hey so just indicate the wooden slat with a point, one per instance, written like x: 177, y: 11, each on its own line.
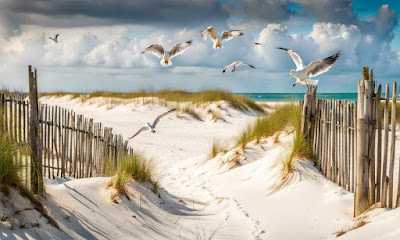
x: 392, y: 147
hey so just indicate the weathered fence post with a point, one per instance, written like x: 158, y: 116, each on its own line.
x: 36, y: 156
x: 362, y: 200
x: 308, y: 110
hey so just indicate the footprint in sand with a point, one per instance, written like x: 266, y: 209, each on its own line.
x: 256, y: 233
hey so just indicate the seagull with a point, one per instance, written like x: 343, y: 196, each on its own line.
x: 257, y: 43
x: 315, y: 68
x: 151, y: 127
x: 235, y: 64
x: 165, y: 56
x: 210, y: 31
x: 55, y: 39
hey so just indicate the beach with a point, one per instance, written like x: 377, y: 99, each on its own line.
x: 225, y: 197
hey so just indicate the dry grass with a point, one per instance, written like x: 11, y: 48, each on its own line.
x: 131, y: 166
x: 236, y: 101
x: 357, y: 224
x: 215, y: 116
x: 217, y: 147
x: 191, y: 111
x: 60, y: 94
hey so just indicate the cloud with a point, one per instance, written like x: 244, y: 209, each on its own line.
x: 334, y: 11
x: 70, y: 13
x: 104, y: 44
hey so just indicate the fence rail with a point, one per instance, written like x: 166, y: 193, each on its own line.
x: 352, y: 145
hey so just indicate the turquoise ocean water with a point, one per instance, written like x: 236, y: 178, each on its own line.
x: 284, y: 97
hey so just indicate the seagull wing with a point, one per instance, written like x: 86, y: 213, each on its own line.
x: 296, y: 58
x: 231, y: 34
x: 210, y: 31
x: 318, y: 67
x: 155, y: 49
x: 161, y: 116
x: 140, y: 130
x: 227, y: 66
x: 56, y: 36
x: 246, y: 64
x: 180, y: 48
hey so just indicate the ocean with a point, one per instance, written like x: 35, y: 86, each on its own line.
x: 285, y: 97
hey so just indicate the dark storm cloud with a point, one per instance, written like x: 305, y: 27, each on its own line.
x: 176, y: 12
x: 334, y: 11
x: 267, y: 10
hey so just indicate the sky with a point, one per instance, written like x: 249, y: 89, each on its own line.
x: 101, y: 43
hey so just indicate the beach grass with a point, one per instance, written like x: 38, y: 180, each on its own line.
x: 216, y: 148
x: 301, y: 147
x: 9, y: 168
x: 287, y: 115
x: 268, y: 125
x: 60, y: 94
x: 237, y: 101
x: 131, y: 166
x: 10, y: 172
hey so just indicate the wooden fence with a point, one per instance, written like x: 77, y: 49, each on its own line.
x: 70, y: 145
x: 351, y: 143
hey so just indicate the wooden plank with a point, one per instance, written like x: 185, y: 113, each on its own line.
x: 333, y: 142
x: 52, y: 138
x: 340, y: 143
x: 385, y: 192
x: 392, y: 146
x: 345, y: 147
x: 379, y: 144
x: 361, y: 195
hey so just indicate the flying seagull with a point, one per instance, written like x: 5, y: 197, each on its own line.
x: 152, y: 127
x: 55, y: 39
x: 257, y: 43
x: 315, y: 68
x: 210, y: 31
x: 165, y: 56
x: 235, y: 64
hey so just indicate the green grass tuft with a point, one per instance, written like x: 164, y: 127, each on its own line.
x: 267, y: 126
x: 9, y: 167
x: 301, y: 147
x: 216, y: 148
x: 131, y: 166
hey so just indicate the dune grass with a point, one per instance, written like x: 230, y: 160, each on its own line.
x: 268, y: 125
x: 132, y: 166
x: 301, y: 147
x: 217, y: 147
x: 59, y: 94
x: 236, y: 101
x: 10, y: 170
x: 360, y: 222
x: 189, y: 110
x: 288, y: 115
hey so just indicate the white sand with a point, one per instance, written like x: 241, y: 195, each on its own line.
x: 201, y: 197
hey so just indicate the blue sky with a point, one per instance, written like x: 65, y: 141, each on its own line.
x: 101, y: 42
